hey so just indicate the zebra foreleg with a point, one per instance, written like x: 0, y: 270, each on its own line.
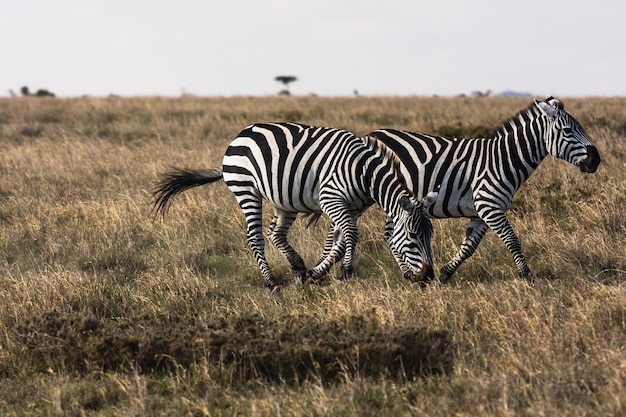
x: 335, y: 253
x: 328, y: 244
x: 473, y: 235
x: 332, y: 238
x: 500, y: 224
x: 344, y: 235
x: 335, y: 237
x: 277, y: 234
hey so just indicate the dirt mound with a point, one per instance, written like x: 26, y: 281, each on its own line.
x: 238, y: 348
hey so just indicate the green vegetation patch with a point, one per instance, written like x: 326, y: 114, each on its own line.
x: 238, y: 349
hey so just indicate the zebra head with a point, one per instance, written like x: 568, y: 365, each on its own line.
x: 411, y: 237
x: 565, y: 137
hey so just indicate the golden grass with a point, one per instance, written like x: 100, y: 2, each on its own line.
x: 78, y: 240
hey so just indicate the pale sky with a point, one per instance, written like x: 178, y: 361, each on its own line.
x: 334, y: 47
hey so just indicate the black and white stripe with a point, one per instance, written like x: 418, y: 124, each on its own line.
x: 307, y: 169
x: 478, y: 177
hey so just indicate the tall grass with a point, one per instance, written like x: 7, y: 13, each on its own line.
x: 105, y: 311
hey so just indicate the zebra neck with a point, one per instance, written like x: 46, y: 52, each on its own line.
x: 522, y: 138
x: 384, y: 187
x: 380, y: 176
x: 388, y: 201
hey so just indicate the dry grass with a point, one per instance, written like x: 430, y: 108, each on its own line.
x: 105, y: 311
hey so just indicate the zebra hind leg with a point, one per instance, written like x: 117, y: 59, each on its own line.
x: 473, y: 235
x: 252, y: 209
x: 277, y: 234
x: 500, y: 224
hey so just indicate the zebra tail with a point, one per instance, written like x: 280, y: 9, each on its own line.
x: 178, y: 180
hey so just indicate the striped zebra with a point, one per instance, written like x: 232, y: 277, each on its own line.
x: 478, y: 177
x: 308, y: 169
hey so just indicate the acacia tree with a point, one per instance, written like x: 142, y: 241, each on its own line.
x: 286, y: 79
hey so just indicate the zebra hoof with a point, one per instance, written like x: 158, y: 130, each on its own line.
x: 311, y: 277
x: 346, y: 273
x: 528, y: 276
x: 444, y: 277
x: 299, y: 279
x: 299, y: 271
x: 300, y: 276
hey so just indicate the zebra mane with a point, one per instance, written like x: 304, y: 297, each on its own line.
x: 508, y: 124
x: 530, y: 111
x: 387, y: 154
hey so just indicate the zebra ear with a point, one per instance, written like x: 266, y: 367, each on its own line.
x: 405, y: 203
x: 554, y: 103
x: 547, y: 108
x: 430, y: 197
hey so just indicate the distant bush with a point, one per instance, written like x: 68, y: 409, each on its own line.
x: 44, y: 93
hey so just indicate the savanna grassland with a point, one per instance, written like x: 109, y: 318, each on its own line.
x: 106, y: 311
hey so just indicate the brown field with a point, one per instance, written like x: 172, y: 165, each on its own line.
x: 105, y: 311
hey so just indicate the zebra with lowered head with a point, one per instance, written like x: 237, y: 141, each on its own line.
x: 478, y: 177
x: 308, y: 169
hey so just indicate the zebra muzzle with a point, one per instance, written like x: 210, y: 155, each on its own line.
x: 426, y: 274
x: 591, y: 162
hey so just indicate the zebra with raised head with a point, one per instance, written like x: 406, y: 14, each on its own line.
x: 478, y: 177
x: 308, y: 169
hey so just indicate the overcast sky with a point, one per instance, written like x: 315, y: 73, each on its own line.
x: 334, y: 47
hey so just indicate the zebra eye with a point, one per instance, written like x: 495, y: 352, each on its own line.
x: 567, y: 130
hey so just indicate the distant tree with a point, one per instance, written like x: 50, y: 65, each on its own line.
x: 286, y: 79
x: 25, y: 91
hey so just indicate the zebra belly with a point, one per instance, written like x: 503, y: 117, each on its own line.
x: 444, y: 208
x: 298, y: 207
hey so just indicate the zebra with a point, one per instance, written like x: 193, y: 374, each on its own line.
x: 310, y: 169
x: 478, y: 177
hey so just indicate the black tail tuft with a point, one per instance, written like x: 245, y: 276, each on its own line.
x: 178, y: 180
